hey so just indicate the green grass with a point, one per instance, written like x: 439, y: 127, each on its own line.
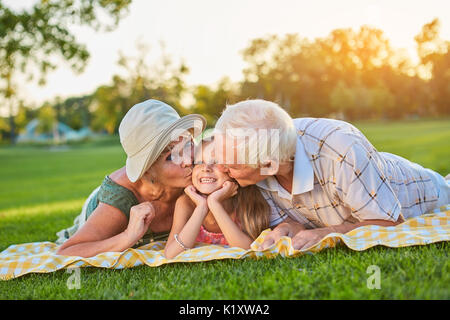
x: 41, y: 191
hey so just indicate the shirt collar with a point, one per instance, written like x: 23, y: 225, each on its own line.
x: 303, y: 170
x: 303, y: 177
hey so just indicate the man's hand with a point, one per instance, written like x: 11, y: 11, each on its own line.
x: 307, y: 238
x: 301, y: 238
x: 273, y: 236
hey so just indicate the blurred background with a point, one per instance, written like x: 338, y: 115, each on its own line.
x: 70, y: 69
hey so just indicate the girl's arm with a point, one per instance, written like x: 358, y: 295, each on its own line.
x: 234, y: 235
x: 187, y: 220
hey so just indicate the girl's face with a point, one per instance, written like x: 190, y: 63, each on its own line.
x: 206, y: 176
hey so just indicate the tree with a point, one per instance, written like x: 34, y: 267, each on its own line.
x: 434, y: 54
x: 342, y: 98
x: 210, y: 101
x: 350, y: 72
x: 74, y: 111
x: 23, y: 116
x: 30, y: 40
x: 47, y: 120
x: 163, y: 81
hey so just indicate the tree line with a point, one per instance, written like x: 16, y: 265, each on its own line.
x: 349, y: 74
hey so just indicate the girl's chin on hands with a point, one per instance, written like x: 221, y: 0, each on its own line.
x: 197, y: 198
x: 228, y: 190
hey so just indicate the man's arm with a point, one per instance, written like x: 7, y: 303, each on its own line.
x: 288, y: 228
x: 305, y: 238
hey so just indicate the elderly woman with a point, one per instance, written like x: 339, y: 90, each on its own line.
x: 321, y: 175
x: 135, y: 204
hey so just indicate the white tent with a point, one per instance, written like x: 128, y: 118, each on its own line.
x: 60, y: 133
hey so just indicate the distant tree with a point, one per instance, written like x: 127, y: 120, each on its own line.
x: 47, y: 119
x: 23, y: 116
x: 163, y: 81
x: 74, y: 111
x: 342, y: 98
x: 354, y: 72
x: 210, y: 101
x: 31, y: 40
x: 4, y: 129
x: 434, y: 54
x: 382, y: 102
x: 109, y: 105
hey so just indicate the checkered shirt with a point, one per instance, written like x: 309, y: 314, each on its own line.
x: 340, y: 177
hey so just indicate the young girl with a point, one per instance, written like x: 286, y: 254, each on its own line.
x: 214, y: 210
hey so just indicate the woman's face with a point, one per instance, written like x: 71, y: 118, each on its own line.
x: 170, y: 173
x: 206, y: 176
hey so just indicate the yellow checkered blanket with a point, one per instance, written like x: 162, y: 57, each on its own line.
x: 40, y: 257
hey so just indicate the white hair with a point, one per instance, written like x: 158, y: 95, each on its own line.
x: 272, y: 123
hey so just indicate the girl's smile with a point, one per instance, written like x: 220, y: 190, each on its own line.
x: 206, y: 176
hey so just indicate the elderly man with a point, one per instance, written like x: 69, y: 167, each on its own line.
x: 320, y: 175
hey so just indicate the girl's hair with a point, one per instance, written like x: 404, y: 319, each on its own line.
x: 252, y: 210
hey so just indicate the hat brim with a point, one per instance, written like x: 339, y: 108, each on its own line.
x: 140, y: 162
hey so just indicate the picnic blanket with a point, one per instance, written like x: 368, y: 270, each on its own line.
x: 40, y: 257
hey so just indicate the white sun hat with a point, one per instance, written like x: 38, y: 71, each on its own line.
x: 148, y: 128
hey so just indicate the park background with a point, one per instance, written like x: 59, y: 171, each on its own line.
x: 71, y: 69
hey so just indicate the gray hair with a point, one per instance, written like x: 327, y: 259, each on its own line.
x: 271, y: 123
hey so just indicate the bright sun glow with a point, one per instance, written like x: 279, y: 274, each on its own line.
x: 210, y: 35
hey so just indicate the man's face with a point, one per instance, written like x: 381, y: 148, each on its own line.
x: 227, y: 161
x: 245, y: 175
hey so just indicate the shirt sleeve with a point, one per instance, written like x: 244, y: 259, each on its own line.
x: 277, y: 214
x: 360, y: 181
x: 117, y: 196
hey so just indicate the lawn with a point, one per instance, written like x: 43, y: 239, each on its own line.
x: 42, y: 190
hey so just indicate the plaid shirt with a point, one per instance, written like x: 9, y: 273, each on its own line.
x: 340, y: 177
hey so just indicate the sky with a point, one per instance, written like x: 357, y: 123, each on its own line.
x: 209, y: 35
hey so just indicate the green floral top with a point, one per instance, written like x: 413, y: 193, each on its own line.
x: 123, y: 199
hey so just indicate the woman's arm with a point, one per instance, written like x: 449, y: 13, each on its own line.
x: 107, y: 229
x: 187, y: 220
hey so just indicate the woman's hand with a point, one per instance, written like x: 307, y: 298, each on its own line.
x: 141, y: 216
x: 198, y: 199
x: 228, y: 190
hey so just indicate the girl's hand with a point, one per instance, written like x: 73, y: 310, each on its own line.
x: 228, y: 190
x: 198, y: 199
x: 141, y: 216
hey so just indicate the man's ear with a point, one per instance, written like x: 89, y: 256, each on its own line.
x: 269, y: 168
